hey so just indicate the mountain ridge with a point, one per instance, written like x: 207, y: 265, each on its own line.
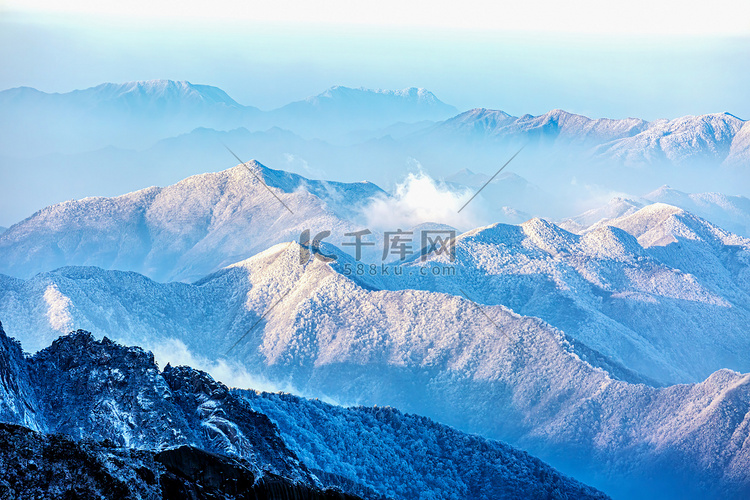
x: 632, y: 140
x: 546, y: 397
x: 185, y: 230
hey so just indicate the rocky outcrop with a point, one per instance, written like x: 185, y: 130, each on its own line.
x: 17, y: 402
x: 41, y: 466
x: 112, y: 425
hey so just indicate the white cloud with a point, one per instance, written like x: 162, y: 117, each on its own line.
x: 420, y: 199
x: 232, y: 374
x: 299, y: 164
x: 229, y: 372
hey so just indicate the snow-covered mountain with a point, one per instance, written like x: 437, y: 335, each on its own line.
x: 630, y: 141
x: 685, y: 140
x: 133, y: 114
x: 186, y: 230
x: 138, y: 114
x: 99, y: 390
x: 644, y: 297
x: 562, y: 393
x: 616, y: 207
x: 729, y: 212
x: 556, y: 125
x: 342, y: 110
x: 713, y: 257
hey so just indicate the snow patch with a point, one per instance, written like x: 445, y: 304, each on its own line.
x: 58, y: 309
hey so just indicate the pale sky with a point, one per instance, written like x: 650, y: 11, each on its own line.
x: 717, y: 17
x: 651, y: 59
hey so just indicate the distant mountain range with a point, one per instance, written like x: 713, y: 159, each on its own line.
x: 141, y: 432
x: 119, y: 137
x: 132, y: 114
x: 632, y: 141
x: 342, y: 111
x: 138, y: 114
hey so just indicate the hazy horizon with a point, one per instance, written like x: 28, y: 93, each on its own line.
x: 269, y: 64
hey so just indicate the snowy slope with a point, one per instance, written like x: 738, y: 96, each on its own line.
x: 506, y: 376
x: 404, y: 455
x: 717, y: 259
x: 184, y: 231
x: 647, y: 309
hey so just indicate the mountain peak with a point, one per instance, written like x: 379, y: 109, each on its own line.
x: 409, y: 93
x: 652, y: 225
x: 161, y: 90
x: 80, y: 347
x: 661, y: 191
x: 561, y: 113
x: 478, y: 113
x: 548, y: 236
x: 345, y: 99
x: 187, y: 230
x: 480, y: 120
x: 610, y: 242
